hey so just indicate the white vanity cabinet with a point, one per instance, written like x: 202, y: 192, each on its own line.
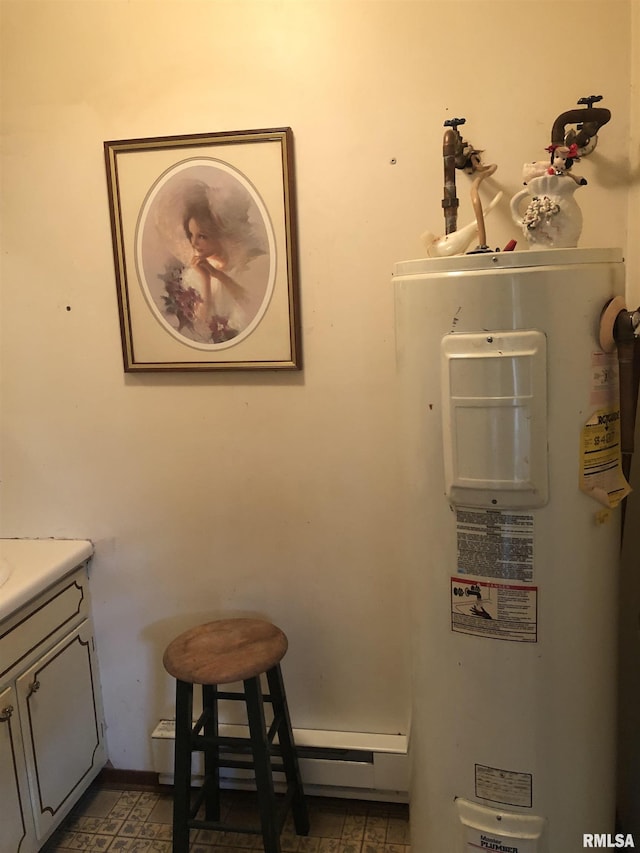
x: 51, y: 722
x: 16, y: 826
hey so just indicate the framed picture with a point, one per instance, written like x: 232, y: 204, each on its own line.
x: 204, y: 242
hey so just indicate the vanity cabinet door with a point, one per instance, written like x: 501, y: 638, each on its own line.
x: 16, y: 828
x: 61, y: 724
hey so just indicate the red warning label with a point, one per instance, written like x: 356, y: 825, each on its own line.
x: 495, y: 610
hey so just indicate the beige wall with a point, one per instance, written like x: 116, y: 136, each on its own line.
x: 271, y: 494
x: 633, y: 243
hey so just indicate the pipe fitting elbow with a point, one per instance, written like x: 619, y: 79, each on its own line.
x: 589, y: 121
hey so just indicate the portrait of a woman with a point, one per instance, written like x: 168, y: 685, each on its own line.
x: 205, y: 259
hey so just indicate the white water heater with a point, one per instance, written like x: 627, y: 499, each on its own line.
x: 513, y: 479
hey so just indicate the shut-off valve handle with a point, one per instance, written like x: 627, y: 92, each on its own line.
x: 590, y: 100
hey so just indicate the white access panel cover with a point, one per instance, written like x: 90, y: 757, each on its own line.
x: 495, y: 829
x: 494, y: 404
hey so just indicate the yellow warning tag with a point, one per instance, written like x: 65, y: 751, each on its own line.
x: 601, y: 474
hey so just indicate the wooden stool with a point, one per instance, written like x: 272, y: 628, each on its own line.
x: 223, y: 652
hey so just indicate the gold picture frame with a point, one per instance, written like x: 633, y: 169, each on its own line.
x: 205, y: 250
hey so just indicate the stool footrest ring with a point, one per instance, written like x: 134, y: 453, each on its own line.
x: 219, y: 826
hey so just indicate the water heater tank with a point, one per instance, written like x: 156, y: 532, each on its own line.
x: 512, y: 482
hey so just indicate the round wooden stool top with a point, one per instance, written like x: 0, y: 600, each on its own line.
x: 225, y: 651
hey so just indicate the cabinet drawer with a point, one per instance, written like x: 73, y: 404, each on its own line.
x: 42, y: 622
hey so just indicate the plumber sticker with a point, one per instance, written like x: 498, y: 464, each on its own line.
x: 478, y: 839
x: 601, y: 474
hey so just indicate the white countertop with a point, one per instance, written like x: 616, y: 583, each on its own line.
x: 34, y: 565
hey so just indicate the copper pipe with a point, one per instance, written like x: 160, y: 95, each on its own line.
x: 450, y: 201
x: 591, y: 119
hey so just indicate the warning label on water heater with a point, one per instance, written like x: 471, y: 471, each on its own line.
x: 504, y: 786
x: 496, y: 610
x: 495, y: 544
x: 601, y: 474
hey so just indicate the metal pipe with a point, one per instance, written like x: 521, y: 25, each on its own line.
x: 628, y: 344
x: 624, y: 332
x: 450, y: 201
x: 589, y: 120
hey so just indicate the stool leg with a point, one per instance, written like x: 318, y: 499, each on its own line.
x: 211, y: 754
x: 262, y: 765
x: 182, y: 767
x: 288, y: 749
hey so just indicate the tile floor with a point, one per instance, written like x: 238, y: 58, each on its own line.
x: 127, y: 821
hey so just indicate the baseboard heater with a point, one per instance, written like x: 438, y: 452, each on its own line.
x: 358, y: 765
